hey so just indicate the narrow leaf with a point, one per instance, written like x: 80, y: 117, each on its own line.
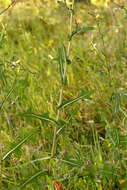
x: 81, y: 30
x: 16, y: 147
x: 30, y: 162
x: 84, y: 95
x: 37, y: 116
x: 8, y: 95
x: 3, y: 77
x: 72, y: 162
x: 63, y: 4
x: 62, y: 60
x: 33, y: 177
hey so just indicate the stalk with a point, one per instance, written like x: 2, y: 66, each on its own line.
x: 64, y: 78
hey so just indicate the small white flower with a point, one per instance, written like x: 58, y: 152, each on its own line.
x: 50, y: 56
x: 90, y: 121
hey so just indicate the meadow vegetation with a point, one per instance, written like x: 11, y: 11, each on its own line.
x: 63, y: 96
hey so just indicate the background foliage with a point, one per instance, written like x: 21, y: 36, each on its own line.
x: 91, y: 138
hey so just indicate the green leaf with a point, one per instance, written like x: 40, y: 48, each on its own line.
x: 8, y: 95
x: 2, y: 37
x: 43, y: 117
x: 80, y: 31
x: 84, y: 95
x: 72, y: 162
x: 16, y: 147
x: 32, y: 162
x: 62, y: 60
x: 33, y: 177
x: 63, y: 4
x: 61, y: 122
x: 3, y: 77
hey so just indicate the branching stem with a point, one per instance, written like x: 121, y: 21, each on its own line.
x: 64, y: 78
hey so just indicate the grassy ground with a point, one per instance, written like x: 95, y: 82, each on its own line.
x: 90, y: 147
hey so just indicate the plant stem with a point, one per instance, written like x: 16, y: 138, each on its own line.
x: 64, y: 78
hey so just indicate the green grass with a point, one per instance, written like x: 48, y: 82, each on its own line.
x: 80, y: 141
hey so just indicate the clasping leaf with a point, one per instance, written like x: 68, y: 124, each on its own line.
x: 81, y: 30
x: 43, y: 117
x: 83, y: 95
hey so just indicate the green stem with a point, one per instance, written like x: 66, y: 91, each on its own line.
x: 64, y: 78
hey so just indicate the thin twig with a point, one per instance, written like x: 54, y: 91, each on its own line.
x: 12, y: 4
